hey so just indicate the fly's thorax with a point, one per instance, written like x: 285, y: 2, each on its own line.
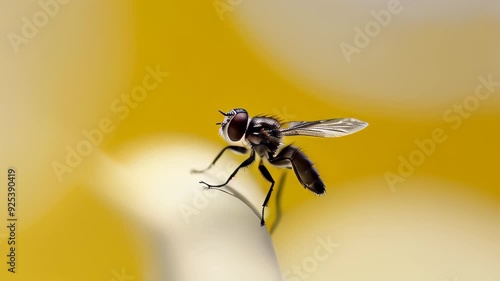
x: 265, y: 132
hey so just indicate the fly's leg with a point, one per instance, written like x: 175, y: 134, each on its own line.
x: 265, y: 173
x: 244, y: 164
x: 239, y: 149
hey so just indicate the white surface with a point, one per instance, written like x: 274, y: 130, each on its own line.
x: 217, y: 237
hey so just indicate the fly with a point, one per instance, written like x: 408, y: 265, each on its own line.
x: 263, y: 135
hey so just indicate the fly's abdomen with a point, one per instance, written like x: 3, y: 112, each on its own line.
x: 302, y: 166
x: 307, y: 174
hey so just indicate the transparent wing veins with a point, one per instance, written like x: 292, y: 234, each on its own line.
x: 337, y: 127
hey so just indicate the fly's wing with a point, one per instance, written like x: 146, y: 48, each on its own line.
x: 330, y: 128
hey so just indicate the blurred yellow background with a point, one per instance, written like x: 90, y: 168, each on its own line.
x: 414, y: 196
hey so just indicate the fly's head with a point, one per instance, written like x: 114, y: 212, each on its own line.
x: 234, y: 126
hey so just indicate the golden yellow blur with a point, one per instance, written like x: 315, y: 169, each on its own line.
x: 414, y: 196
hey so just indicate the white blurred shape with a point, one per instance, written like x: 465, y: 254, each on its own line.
x: 426, y: 230
x: 427, y: 55
x: 200, y: 234
x: 60, y: 82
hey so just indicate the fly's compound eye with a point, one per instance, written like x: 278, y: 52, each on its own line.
x: 237, y: 126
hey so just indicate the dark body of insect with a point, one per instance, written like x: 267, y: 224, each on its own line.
x: 263, y: 135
